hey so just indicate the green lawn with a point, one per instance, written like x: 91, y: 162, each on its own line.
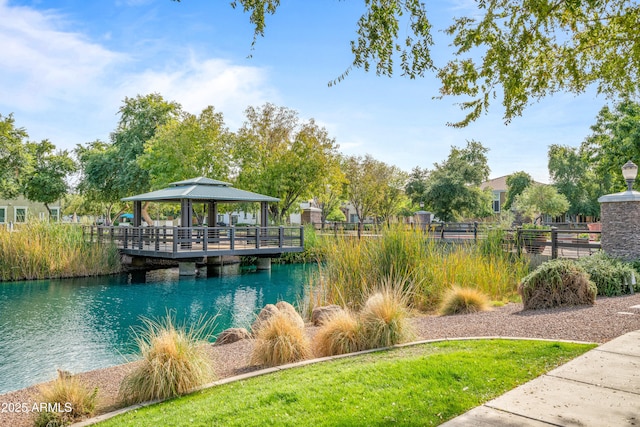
x: 419, y: 385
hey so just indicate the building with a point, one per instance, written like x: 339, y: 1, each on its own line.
x: 21, y: 210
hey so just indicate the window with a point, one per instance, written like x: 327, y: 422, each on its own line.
x: 20, y: 214
x: 55, y: 214
x: 353, y: 218
x: 496, y: 202
x: 234, y: 219
x: 3, y: 214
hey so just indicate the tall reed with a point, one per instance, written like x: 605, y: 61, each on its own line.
x: 428, y: 268
x: 40, y: 250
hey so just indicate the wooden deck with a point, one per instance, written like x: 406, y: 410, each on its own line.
x: 198, y: 242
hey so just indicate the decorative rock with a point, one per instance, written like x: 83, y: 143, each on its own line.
x: 265, y: 314
x: 319, y: 315
x: 231, y: 335
x: 288, y: 310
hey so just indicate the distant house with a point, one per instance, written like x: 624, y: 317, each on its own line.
x: 21, y: 210
x: 498, y: 188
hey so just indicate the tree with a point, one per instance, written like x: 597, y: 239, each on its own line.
x: 111, y: 171
x: 188, y: 147
x: 99, y: 181
x: 417, y: 185
x: 574, y: 178
x: 538, y: 199
x: 516, y: 184
x: 393, y: 196
x: 614, y: 140
x: 281, y: 157
x: 15, y: 160
x: 47, y: 182
x: 453, y: 189
x: 515, y: 51
x: 330, y: 195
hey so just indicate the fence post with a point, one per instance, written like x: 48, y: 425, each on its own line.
x: 475, y: 231
x: 232, y: 238
x: 176, y: 237
x: 126, y: 240
x: 442, y: 231
x: 519, y: 240
x: 554, y: 242
x: 302, y: 236
x: 281, y: 237
x: 205, y: 239
x: 258, y: 237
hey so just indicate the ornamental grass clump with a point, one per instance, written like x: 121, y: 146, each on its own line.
x: 279, y: 340
x: 384, y: 318
x: 612, y: 276
x: 557, y: 283
x: 67, y: 400
x: 174, y: 360
x: 460, y: 300
x: 340, y: 334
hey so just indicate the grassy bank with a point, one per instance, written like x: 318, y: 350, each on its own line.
x: 425, y: 269
x: 41, y: 250
x: 430, y: 383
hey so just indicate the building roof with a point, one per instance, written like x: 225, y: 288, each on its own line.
x: 497, y: 184
x: 500, y: 183
x: 203, y: 189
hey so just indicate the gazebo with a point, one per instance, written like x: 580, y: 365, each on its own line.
x: 190, y: 244
x: 201, y: 189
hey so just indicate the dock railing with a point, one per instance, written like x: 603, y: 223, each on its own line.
x: 200, y: 240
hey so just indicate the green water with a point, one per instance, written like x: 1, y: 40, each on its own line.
x: 83, y: 324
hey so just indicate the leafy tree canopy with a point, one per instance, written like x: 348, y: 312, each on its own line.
x: 47, y: 182
x: 188, y: 147
x: 516, y: 183
x: 515, y: 51
x: 540, y: 199
x: 614, y: 140
x: 279, y: 156
x: 15, y: 160
x: 575, y: 179
x: 453, y: 190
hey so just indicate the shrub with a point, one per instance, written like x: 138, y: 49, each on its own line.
x: 384, y: 318
x: 71, y: 399
x: 278, y: 341
x: 463, y: 301
x: 559, y: 282
x: 611, y: 276
x: 42, y: 249
x: 340, y: 334
x: 174, y: 361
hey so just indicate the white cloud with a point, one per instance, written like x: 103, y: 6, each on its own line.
x: 41, y: 63
x: 67, y: 88
x: 196, y: 84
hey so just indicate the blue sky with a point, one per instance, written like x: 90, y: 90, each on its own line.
x: 67, y: 65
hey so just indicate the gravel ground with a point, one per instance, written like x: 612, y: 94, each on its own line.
x: 607, y: 319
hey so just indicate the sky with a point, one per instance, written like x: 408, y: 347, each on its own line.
x: 66, y: 66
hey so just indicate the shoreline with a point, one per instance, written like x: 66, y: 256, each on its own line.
x: 607, y: 319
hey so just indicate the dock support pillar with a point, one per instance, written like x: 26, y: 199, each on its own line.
x: 187, y: 268
x: 264, y: 264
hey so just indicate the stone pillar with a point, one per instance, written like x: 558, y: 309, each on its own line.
x: 620, y: 217
x: 264, y: 264
x: 187, y: 268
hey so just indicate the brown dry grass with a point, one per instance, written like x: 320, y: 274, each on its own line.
x: 460, y: 300
x: 340, y: 334
x: 280, y: 341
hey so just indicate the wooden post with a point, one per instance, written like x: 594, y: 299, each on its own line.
x: 475, y: 231
x: 232, y: 238
x: 519, y: 240
x: 301, y: 236
x: 126, y: 242
x: 281, y: 237
x: 554, y: 242
x: 257, y: 237
x: 176, y: 236
x: 137, y: 214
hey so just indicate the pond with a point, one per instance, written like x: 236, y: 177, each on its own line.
x: 82, y: 324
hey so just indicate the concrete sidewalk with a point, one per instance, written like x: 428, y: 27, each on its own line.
x: 599, y: 388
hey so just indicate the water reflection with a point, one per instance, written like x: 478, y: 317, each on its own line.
x: 83, y: 324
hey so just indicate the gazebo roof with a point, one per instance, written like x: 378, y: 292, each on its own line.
x: 203, y: 189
